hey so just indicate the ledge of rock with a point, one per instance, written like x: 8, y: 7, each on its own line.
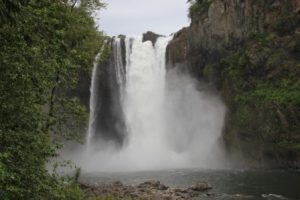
x: 148, y: 190
x: 150, y: 36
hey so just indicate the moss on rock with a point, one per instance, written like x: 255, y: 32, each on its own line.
x: 251, y: 52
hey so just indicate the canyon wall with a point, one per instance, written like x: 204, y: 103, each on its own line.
x: 250, y: 51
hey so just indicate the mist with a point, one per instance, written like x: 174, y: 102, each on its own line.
x: 172, y: 120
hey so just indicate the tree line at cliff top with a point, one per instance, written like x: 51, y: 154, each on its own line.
x: 44, y: 44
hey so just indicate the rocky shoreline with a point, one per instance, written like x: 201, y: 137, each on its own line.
x: 148, y: 190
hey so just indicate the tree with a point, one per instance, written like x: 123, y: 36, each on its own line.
x: 44, y: 44
x: 9, y: 9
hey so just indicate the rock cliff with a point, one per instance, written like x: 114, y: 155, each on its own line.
x: 250, y: 51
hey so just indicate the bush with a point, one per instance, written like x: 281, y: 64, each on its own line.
x: 285, y: 24
x: 69, y: 191
x: 198, y: 7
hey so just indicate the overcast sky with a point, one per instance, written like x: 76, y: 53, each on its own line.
x: 134, y: 17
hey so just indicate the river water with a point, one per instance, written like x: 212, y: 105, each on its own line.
x: 227, y: 184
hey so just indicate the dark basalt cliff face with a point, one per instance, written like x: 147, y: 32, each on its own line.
x: 109, y: 122
x: 250, y: 51
x: 150, y: 36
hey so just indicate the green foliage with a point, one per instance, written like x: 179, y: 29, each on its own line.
x: 209, y: 71
x: 44, y: 45
x: 198, y: 7
x: 285, y: 24
x: 261, y: 82
x: 69, y: 191
x: 279, y: 95
x: 88, y: 5
x: 233, y: 69
x: 289, y: 145
x: 105, y: 53
x: 294, y: 44
x: 9, y: 10
x: 263, y: 38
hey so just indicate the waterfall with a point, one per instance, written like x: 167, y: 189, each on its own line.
x: 93, y: 99
x: 105, y: 118
x: 144, y: 99
x: 171, y: 120
x: 118, y: 63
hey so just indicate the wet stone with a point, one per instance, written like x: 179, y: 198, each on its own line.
x: 152, y: 190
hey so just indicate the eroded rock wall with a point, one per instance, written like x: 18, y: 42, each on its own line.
x: 249, y: 50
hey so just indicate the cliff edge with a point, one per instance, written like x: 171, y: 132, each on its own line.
x: 250, y: 51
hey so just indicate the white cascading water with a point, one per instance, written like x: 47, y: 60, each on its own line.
x: 93, y: 97
x: 91, y: 131
x: 144, y: 104
x: 119, y: 68
x: 170, y: 122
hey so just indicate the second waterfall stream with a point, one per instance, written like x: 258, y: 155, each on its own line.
x: 171, y: 120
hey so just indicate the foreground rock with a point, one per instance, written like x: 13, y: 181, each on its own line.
x: 149, y: 190
x: 200, y: 186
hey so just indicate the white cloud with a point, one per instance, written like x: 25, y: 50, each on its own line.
x: 134, y: 17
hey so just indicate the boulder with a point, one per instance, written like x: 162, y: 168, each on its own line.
x: 151, y: 184
x: 200, y: 186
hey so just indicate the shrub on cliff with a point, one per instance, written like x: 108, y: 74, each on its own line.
x: 263, y: 88
x: 286, y: 24
x: 198, y: 7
